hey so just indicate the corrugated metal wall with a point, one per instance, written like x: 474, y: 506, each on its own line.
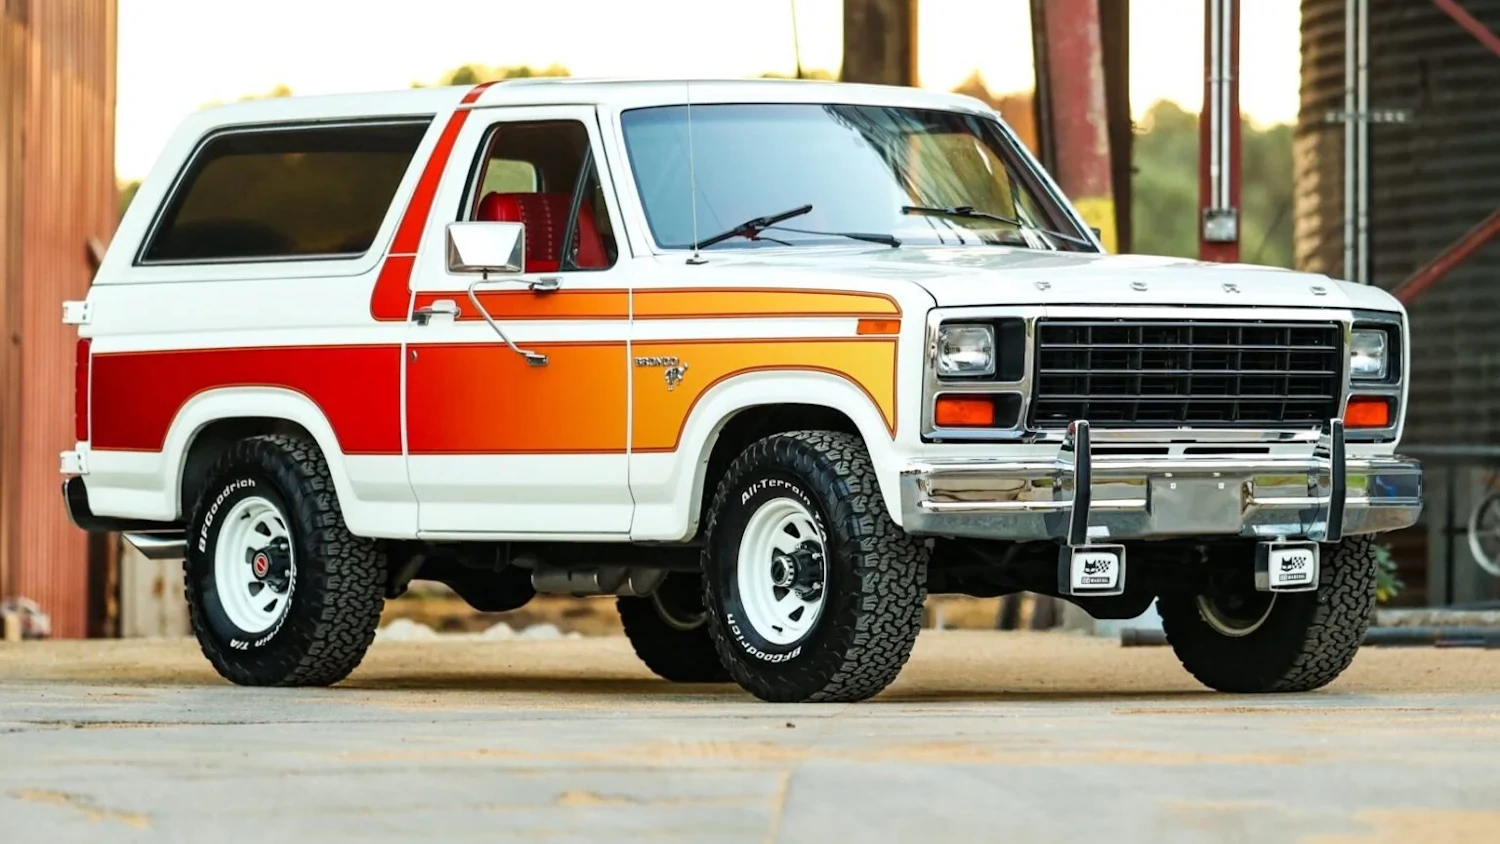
x: 13, y: 63
x: 1318, y: 147
x: 60, y: 197
x: 1431, y: 180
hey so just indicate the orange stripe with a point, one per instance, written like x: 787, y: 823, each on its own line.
x: 670, y: 303
x: 473, y: 398
x: 662, y: 414
x: 711, y: 303
x: 468, y: 398
x: 524, y: 304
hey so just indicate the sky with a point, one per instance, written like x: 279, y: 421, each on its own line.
x: 177, y: 55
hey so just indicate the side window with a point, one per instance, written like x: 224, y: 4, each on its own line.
x: 292, y: 193
x: 535, y: 173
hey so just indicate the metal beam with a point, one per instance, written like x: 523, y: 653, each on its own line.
x: 1362, y: 272
x: 1114, y: 25
x: 1489, y: 228
x: 1449, y: 259
x: 1071, y: 82
x: 1470, y: 23
x: 880, y: 42
x: 1041, y: 100
x: 1219, y: 134
x: 1351, y: 139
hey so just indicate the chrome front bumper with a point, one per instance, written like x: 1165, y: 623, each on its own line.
x: 1083, y: 496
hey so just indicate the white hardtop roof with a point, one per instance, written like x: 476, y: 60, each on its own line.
x: 619, y: 94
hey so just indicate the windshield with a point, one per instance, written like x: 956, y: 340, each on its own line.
x: 869, y: 169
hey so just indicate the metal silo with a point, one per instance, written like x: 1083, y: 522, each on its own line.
x: 1431, y: 179
x: 1433, y: 175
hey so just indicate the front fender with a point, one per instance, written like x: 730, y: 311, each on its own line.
x: 669, y: 487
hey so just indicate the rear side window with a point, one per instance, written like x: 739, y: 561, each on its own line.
x: 293, y: 193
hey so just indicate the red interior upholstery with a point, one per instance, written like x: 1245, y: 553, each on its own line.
x: 544, y: 215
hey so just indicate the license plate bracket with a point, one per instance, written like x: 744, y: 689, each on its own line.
x: 1196, y: 505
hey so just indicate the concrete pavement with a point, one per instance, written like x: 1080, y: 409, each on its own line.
x: 986, y: 737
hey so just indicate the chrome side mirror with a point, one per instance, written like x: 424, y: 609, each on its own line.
x: 487, y: 247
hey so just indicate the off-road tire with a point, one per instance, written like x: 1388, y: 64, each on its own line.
x: 1306, y: 642
x: 337, y: 593
x: 876, y: 574
x: 679, y: 650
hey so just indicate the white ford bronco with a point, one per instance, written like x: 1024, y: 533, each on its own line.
x: 768, y: 362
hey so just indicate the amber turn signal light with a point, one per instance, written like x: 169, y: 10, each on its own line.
x: 867, y: 327
x: 1368, y: 412
x: 964, y: 412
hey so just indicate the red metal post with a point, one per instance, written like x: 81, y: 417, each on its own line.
x: 1078, y: 115
x: 1470, y: 23
x: 880, y: 42
x: 1474, y: 239
x: 1444, y: 263
x: 1220, y: 221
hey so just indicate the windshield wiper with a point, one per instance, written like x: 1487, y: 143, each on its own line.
x: 754, y: 226
x: 751, y: 228
x: 868, y: 237
x: 970, y: 212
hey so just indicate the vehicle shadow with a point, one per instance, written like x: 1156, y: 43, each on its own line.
x: 972, y: 690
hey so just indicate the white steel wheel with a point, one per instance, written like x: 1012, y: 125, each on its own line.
x: 254, y: 567
x: 1484, y: 534
x: 1236, y: 615
x: 679, y: 618
x: 782, y: 571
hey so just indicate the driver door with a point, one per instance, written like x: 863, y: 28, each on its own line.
x: 526, y: 437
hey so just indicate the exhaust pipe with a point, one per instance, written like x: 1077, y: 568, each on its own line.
x: 601, y: 580
x: 165, y: 545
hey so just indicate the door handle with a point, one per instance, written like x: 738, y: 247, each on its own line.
x: 444, y: 307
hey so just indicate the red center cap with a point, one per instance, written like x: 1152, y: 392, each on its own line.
x: 260, y: 565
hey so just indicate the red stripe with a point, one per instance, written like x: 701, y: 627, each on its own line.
x: 392, y: 294
x: 473, y: 96
x: 137, y: 395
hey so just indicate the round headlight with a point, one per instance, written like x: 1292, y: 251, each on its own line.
x: 1369, y: 353
x: 965, y: 350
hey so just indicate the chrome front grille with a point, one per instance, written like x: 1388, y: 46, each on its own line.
x: 1200, y: 373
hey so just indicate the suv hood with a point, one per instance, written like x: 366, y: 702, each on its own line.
x: 973, y: 276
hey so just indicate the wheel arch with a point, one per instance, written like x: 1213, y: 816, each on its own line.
x: 210, y: 421
x: 749, y: 407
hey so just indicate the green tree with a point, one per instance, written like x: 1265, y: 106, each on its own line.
x: 1165, y: 187
x: 127, y: 193
x: 474, y: 74
x: 128, y: 189
x: 814, y: 73
x: 275, y: 93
